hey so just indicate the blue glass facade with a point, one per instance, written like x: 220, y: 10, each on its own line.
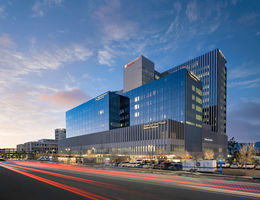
x: 211, y: 70
x: 102, y: 113
x: 170, y: 97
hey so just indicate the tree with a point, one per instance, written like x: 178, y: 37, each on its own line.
x: 209, y: 154
x: 233, y: 150
x: 243, y: 155
x: 246, y: 154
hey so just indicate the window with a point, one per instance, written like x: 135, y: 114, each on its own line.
x: 101, y: 112
x: 190, y: 123
x: 193, y: 88
x: 198, y: 117
x: 136, y: 98
x: 136, y: 114
x: 199, y: 109
x: 136, y: 106
x: 193, y: 106
x: 198, y: 100
x: 193, y: 97
x: 198, y: 91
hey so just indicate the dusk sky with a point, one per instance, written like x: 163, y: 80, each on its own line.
x: 56, y: 54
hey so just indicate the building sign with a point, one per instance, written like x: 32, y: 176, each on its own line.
x: 131, y: 63
x: 208, y: 139
x: 101, y: 97
x: 153, y: 125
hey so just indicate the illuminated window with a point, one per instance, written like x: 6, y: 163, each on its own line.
x: 198, y: 91
x: 199, y: 117
x: 190, y: 123
x: 164, y: 116
x: 198, y: 125
x: 193, y: 106
x: 101, y: 112
x: 136, y: 98
x: 193, y: 97
x: 136, y: 106
x: 193, y: 88
x: 199, y: 109
x: 198, y: 100
x: 136, y: 114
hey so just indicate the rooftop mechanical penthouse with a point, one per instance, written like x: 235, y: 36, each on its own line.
x: 155, y: 114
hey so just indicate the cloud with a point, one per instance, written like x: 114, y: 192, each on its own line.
x: 105, y: 56
x: 3, y: 14
x: 5, y: 40
x: 245, y: 83
x: 192, y: 11
x: 65, y: 99
x: 39, y: 7
x: 89, y: 77
x: 248, y: 18
x: 244, y: 121
x: 113, y: 23
x: 117, y: 31
x: 24, y: 117
x: 243, y: 71
x: 14, y: 63
x: 23, y: 114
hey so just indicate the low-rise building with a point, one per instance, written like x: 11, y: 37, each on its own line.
x: 7, y: 152
x: 43, y: 146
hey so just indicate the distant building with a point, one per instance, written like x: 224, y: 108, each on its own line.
x: 7, y: 152
x: 60, y: 133
x: 44, y: 146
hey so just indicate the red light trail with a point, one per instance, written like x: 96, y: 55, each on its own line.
x: 60, y: 185
x: 229, y: 185
x: 97, y: 183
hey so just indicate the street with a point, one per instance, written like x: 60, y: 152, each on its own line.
x: 43, y: 180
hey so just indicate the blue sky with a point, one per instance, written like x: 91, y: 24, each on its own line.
x: 56, y: 54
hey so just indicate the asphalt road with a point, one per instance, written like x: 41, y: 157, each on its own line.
x: 47, y: 181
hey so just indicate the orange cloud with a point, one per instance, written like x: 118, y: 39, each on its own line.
x: 65, y: 99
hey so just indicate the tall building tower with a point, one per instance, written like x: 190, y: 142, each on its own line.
x: 60, y: 133
x: 211, y: 70
x: 137, y: 73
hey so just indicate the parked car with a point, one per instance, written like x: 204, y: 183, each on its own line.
x: 164, y: 165
x: 2, y: 159
x: 140, y: 165
x: 257, y: 167
x: 248, y: 166
x: 234, y: 166
x: 123, y: 164
x: 175, y: 166
x: 132, y: 164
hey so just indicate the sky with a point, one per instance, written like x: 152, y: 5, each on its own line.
x: 57, y: 54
